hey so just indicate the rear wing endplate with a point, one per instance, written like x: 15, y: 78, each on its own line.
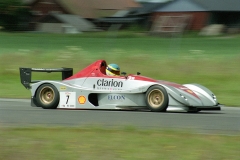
x: 26, y: 74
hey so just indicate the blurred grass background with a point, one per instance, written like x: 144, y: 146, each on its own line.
x: 211, y: 61
x: 126, y: 143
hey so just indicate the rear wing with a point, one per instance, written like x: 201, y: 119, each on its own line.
x: 26, y: 74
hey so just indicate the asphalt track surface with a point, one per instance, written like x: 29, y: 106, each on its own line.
x: 19, y: 113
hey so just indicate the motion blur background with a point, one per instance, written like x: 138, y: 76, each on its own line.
x: 155, y: 16
x: 184, y: 41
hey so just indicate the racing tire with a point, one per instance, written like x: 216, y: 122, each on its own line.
x: 157, y: 99
x: 47, y: 96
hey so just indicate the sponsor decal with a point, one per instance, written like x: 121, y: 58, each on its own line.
x: 104, y: 84
x: 63, y: 88
x: 131, y: 78
x: 81, y: 99
x: 67, y: 100
x: 183, y: 88
x: 45, y: 69
x: 189, y: 91
x: 110, y: 89
x: 116, y: 97
x: 111, y: 83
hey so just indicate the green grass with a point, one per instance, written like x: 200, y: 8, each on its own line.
x: 114, y: 143
x: 211, y: 61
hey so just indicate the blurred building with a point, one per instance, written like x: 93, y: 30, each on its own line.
x: 225, y: 12
x: 87, y: 9
x: 159, y: 15
x: 64, y: 23
x: 177, y: 15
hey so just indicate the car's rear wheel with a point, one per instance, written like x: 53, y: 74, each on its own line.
x: 47, y: 96
x: 157, y: 99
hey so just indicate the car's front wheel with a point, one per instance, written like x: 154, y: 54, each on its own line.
x: 157, y: 99
x: 47, y: 96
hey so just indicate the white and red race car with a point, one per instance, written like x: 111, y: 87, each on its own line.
x: 91, y: 88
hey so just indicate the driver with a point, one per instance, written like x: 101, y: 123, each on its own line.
x: 113, y: 70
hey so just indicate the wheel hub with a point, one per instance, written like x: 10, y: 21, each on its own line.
x: 47, y: 95
x: 156, y: 98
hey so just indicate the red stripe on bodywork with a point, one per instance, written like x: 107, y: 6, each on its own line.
x: 178, y: 86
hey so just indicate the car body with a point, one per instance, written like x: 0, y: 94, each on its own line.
x: 91, y: 88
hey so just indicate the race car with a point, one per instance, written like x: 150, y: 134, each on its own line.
x: 92, y: 88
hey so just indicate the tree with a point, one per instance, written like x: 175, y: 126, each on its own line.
x: 13, y: 14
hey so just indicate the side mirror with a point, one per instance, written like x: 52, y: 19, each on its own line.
x: 124, y: 73
x: 138, y: 73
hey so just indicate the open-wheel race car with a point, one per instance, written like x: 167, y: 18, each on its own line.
x: 91, y: 88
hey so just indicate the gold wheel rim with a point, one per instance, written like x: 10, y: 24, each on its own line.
x: 155, y: 98
x: 47, y: 95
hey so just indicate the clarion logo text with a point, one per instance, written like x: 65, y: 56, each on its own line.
x: 110, y: 83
